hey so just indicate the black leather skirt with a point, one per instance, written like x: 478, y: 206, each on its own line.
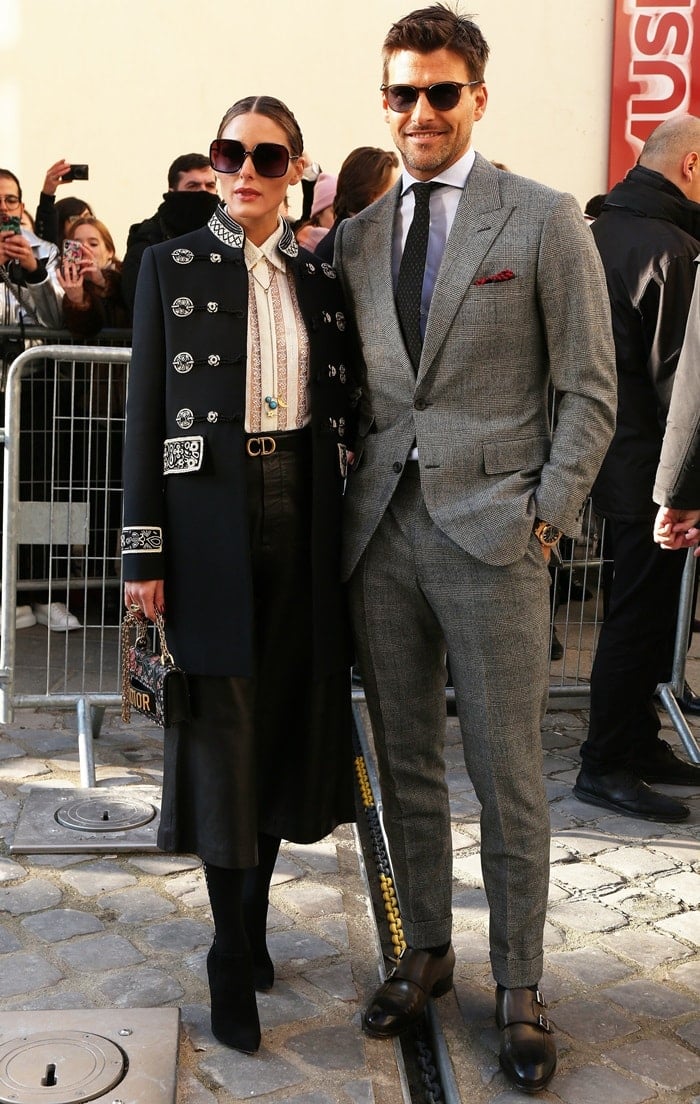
x: 273, y: 753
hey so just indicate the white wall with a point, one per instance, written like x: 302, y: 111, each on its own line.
x: 127, y: 85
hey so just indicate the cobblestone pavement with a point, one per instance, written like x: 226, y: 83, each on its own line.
x: 622, y: 969
x: 108, y: 930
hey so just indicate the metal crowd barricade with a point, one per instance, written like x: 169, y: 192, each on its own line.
x: 579, y: 582
x: 63, y: 437
x: 577, y: 589
x: 61, y: 518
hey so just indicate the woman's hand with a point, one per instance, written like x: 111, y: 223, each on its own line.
x: 90, y: 269
x: 676, y: 529
x: 54, y: 176
x: 70, y: 277
x: 147, y: 596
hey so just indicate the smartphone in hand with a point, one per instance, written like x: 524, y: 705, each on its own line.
x: 11, y: 225
x: 72, y: 251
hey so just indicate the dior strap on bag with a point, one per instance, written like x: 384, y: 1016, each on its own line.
x: 151, y: 682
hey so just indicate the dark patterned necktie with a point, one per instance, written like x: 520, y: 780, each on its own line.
x: 409, y: 287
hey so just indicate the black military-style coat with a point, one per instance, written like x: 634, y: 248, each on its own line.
x: 185, y: 510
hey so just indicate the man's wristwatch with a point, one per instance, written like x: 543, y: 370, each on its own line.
x: 548, y: 535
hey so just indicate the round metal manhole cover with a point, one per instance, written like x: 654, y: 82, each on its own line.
x: 92, y: 814
x: 63, y: 1067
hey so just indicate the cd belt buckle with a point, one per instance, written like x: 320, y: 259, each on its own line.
x: 260, y: 446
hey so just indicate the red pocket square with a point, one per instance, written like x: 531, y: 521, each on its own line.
x: 497, y: 278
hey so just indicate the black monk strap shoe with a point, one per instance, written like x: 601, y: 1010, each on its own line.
x: 625, y: 793
x: 400, y: 1001
x: 663, y: 765
x: 689, y: 701
x: 528, y: 1054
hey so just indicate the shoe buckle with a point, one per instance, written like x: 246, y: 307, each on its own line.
x: 544, y: 1023
x: 539, y: 999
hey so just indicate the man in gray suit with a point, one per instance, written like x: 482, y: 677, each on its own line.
x: 458, y: 493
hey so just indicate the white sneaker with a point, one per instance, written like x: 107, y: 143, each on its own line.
x: 24, y: 618
x: 56, y: 616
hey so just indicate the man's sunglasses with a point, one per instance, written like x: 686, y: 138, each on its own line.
x: 226, y: 155
x: 443, y: 96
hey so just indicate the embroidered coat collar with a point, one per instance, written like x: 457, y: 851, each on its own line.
x: 231, y: 233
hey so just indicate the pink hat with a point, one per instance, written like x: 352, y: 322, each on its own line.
x: 324, y: 193
x: 310, y: 236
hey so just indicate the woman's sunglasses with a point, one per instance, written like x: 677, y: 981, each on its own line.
x: 227, y: 155
x: 443, y: 96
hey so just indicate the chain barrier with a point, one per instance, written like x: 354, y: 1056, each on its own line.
x: 423, y: 1054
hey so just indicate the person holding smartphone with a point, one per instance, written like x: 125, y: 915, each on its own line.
x: 27, y: 264
x: 29, y: 294
x: 90, y: 275
x: 239, y: 421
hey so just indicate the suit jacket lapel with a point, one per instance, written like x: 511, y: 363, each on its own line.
x: 479, y: 219
x: 374, y: 268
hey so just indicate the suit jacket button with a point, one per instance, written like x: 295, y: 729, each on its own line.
x: 420, y: 404
x: 397, y: 467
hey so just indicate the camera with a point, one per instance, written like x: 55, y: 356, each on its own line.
x: 77, y: 172
x: 72, y: 251
x: 12, y: 224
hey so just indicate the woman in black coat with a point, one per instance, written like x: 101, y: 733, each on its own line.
x: 239, y: 418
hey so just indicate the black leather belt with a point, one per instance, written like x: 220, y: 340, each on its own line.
x: 267, y: 444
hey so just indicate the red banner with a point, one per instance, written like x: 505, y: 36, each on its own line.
x: 656, y: 74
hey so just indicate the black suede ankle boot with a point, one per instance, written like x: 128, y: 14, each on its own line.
x: 255, y: 921
x: 256, y: 901
x: 234, y: 1011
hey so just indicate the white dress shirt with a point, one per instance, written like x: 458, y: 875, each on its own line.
x: 278, y: 344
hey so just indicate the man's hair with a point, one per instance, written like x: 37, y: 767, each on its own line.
x: 364, y: 175
x: 437, y: 28
x: 668, y: 145
x: 5, y: 174
x: 183, y: 164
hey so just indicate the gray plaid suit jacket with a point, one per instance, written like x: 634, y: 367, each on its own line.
x: 480, y: 406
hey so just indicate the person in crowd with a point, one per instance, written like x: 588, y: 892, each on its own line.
x: 31, y: 295
x: 90, y: 275
x: 188, y: 204
x: 677, y: 482
x: 311, y: 233
x: 91, y: 282
x: 239, y: 418
x: 365, y: 175
x: 27, y: 265
x: 52, y: 215
x: 594, y: 206
x: 648, y: 235
x: 312, y: 171
x: 472, y: 289
x: 67, y: 211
